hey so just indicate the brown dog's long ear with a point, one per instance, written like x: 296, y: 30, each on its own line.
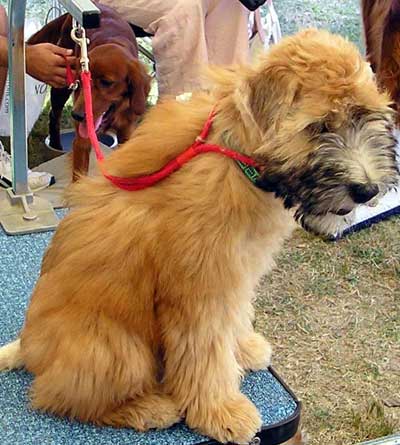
x: 376, y: 18
x: 139, y: 87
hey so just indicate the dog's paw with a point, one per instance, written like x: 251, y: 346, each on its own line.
x: 235, y: 420
x: 254, y: 352
x: 152, y: 411
x: 160, y: 412
x: 10, y: 356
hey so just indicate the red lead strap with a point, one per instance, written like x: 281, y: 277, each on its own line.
x: 70, y: 76
x: 142, y: 182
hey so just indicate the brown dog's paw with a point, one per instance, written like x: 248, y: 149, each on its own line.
x: 236, y: 420
x: 254, y: 352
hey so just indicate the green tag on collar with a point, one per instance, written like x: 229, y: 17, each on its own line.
x: 249, y: 171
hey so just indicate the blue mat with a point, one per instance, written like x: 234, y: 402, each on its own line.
x: 20, y: 259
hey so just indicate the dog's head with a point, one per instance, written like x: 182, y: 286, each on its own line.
x: 119, y: 84
x: 323, y: 131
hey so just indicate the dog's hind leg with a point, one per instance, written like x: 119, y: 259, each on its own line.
x: 58, y: 98
x: 103, y: 390
x: 81, y: 149
x: 10, y: 356
x: 85, y: 365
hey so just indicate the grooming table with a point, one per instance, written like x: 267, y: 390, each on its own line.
x: 19, y: 425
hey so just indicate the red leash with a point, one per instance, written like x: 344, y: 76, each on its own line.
x: 70, y: 76
x: 139, y: 183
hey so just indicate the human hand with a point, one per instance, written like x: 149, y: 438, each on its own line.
x: 46, y: 62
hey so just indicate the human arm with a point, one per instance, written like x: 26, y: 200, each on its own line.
x: 47, y: 62
x: 44, y: 61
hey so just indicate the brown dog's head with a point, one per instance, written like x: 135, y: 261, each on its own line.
x: 318, y: 124
x: 120, y: 86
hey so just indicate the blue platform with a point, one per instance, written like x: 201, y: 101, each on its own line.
x: 20, y: 259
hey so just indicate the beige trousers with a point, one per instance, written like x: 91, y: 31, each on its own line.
x: 189, y: 34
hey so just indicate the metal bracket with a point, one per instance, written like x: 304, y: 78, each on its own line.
x: 84, y: 12
x: 20, y: 214
x: 78, y: 35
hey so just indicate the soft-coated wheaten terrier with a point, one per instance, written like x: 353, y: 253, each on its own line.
x: 143, y: 310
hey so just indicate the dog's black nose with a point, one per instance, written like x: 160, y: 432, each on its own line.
x: 78, y: 116
x: 361, y: 193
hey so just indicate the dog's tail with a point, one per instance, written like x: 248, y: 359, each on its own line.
x: 10, y: 356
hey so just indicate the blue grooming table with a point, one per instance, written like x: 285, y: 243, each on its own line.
x: 20, y: 260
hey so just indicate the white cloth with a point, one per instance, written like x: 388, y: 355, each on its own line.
x: 189, y: 34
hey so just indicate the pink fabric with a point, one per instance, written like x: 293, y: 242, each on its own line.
x: 189, y: 34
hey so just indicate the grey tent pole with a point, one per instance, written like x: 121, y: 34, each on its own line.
x: 16, y: 63
x: 21, y: 211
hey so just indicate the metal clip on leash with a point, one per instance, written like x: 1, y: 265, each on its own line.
x: 78, y: 35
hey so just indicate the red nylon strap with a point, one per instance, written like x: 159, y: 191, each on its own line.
x: 87, y: 95
x: 70, y: 76
x: 142, y: 182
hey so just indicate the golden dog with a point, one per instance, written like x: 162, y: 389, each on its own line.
x: 143, y: 310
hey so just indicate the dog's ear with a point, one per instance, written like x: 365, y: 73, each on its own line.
x: 138, y: 87
x: 376, y: 20
x: 265, y: 96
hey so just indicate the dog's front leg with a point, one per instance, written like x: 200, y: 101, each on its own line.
x: 80, y: 157
x: 58, y: 98
x: 253, y: 352
x: 202, y: 373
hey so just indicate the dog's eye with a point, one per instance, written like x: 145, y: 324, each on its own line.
x: 106, y: 83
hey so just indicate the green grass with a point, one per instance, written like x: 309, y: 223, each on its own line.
x: 338, y: 16
x: 373, y: 422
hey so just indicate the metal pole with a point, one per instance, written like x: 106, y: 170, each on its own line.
x: 16, y: 65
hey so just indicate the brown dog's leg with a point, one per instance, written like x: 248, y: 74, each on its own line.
x: 80, y: 156
x: 58, y: 98
x: 202, y: 373
x: 88, y: 365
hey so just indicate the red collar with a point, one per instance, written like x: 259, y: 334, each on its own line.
x: 198, y: 147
